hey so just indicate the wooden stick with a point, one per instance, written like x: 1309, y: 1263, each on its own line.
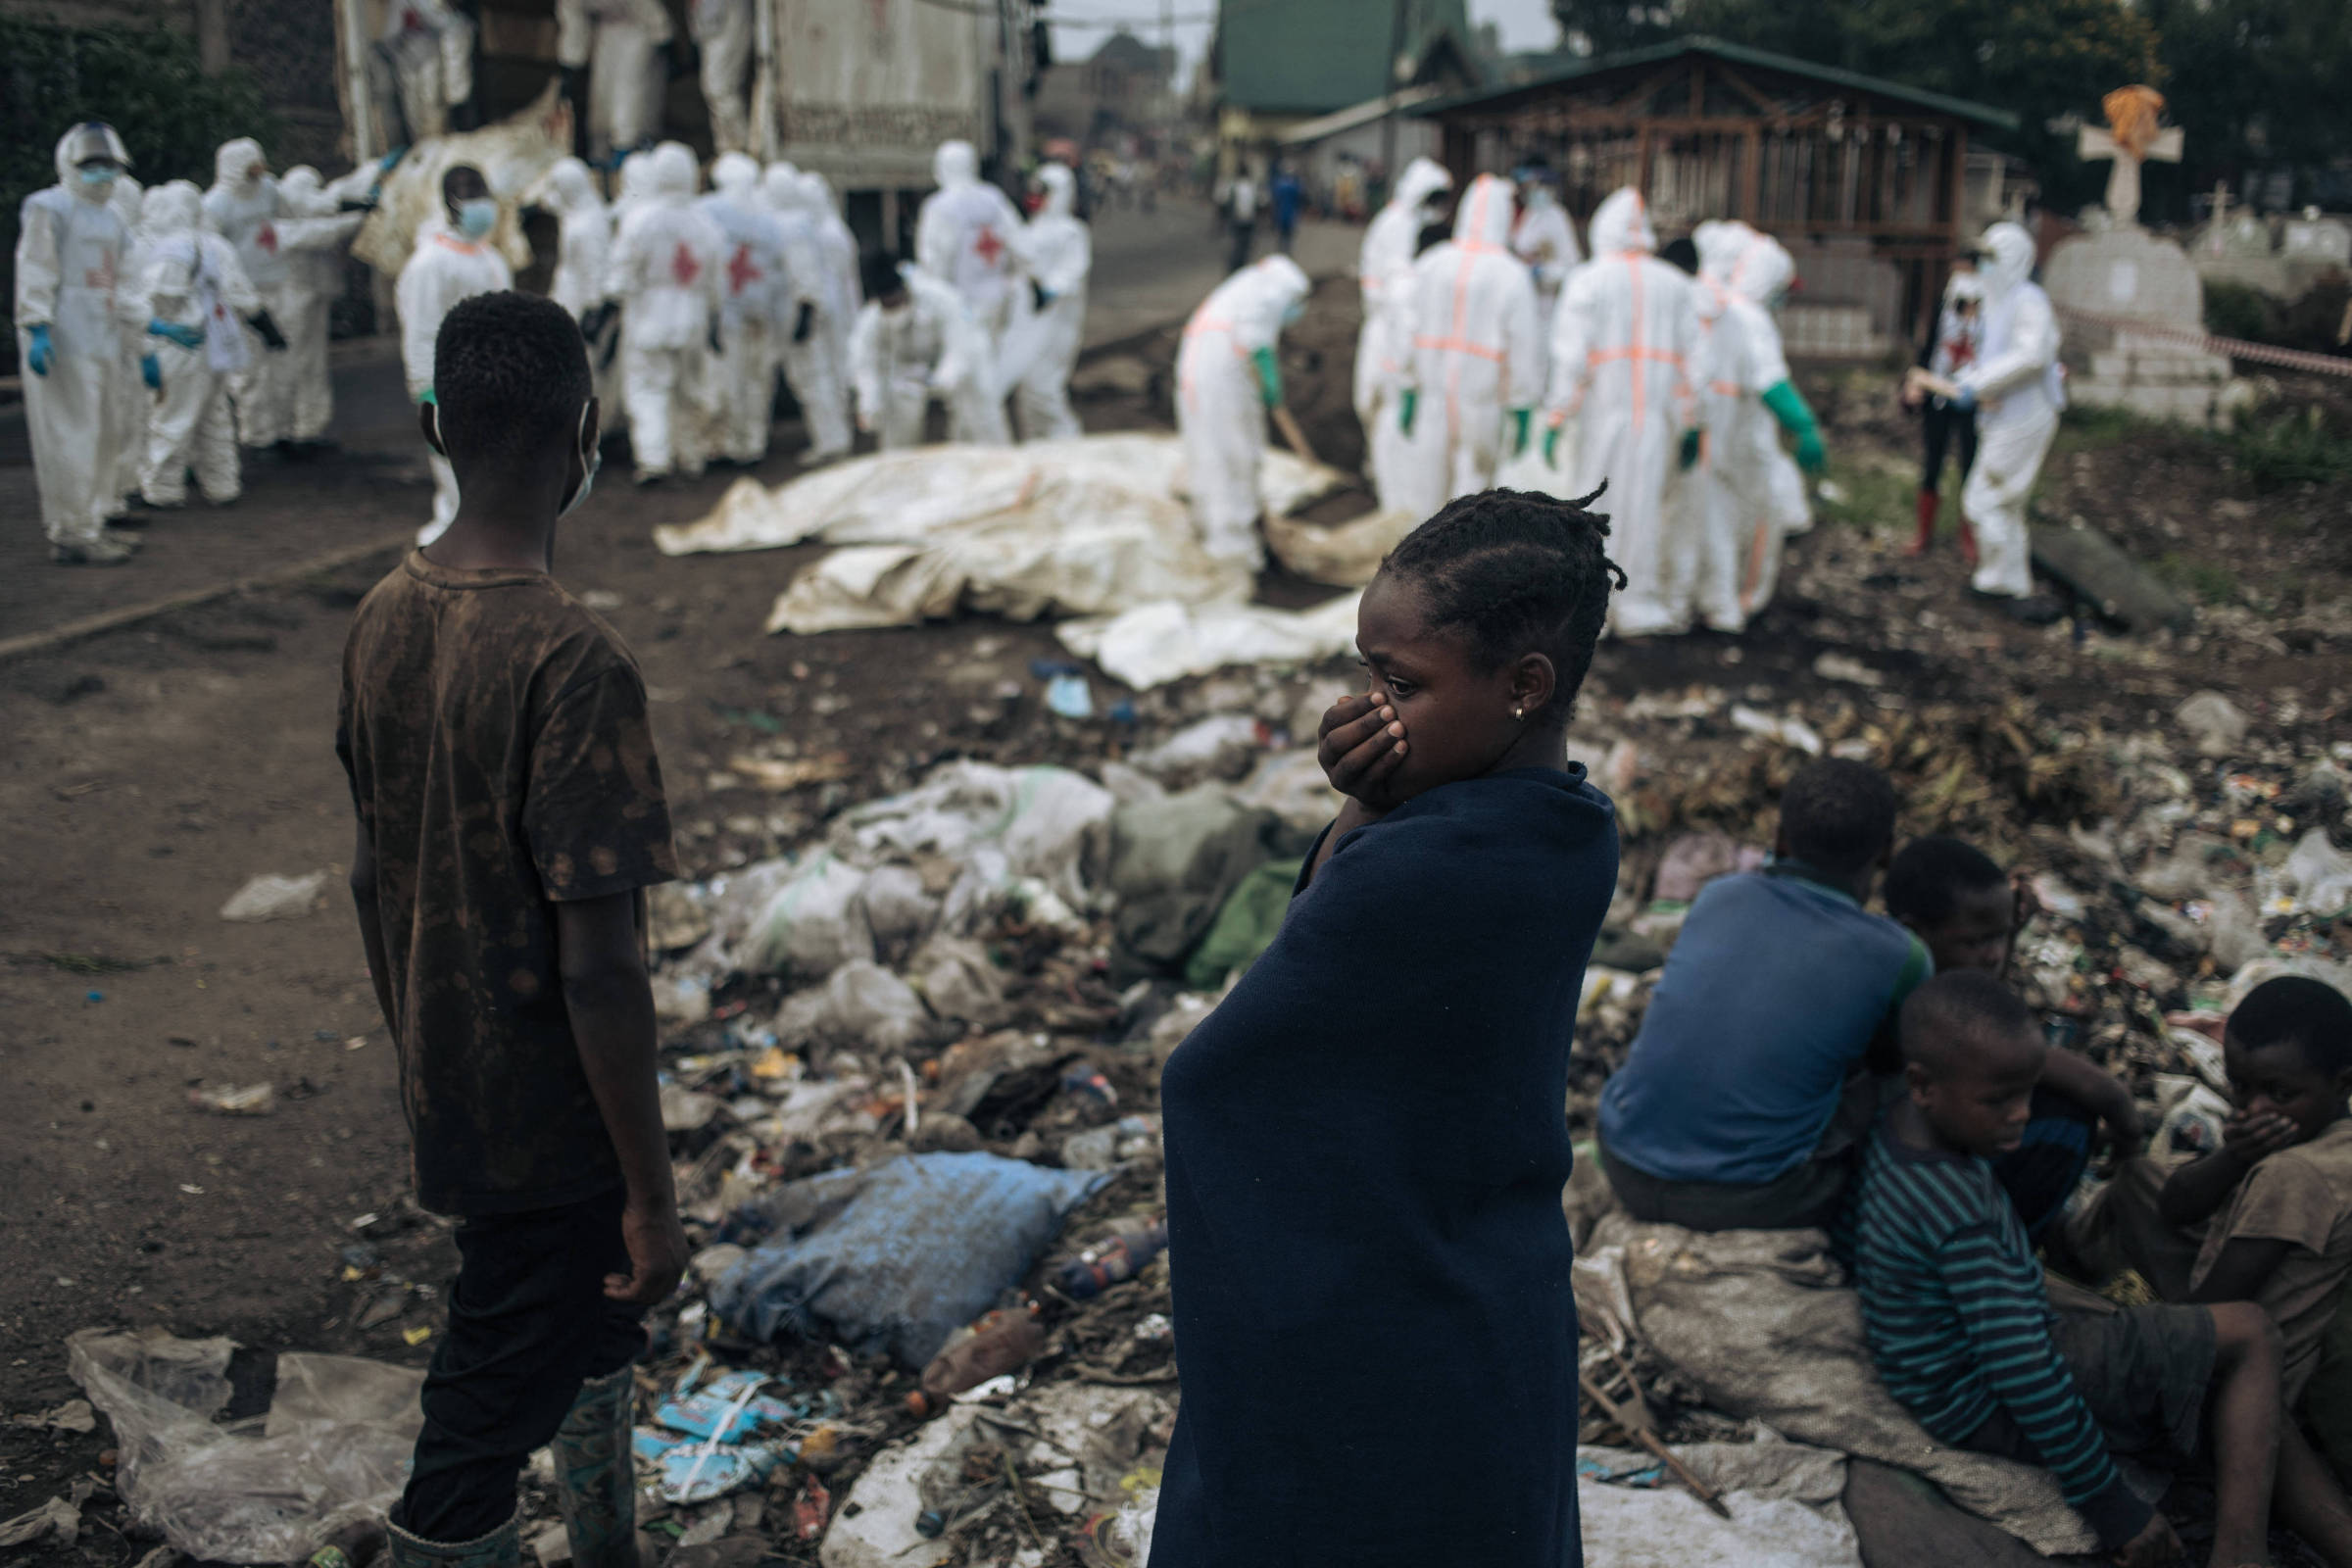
x: 1288, y: 424
x: 1926, y: 381
x: 1635, y: 1426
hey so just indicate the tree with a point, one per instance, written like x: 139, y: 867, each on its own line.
x: 2257, y: 82
x: 1606, y: 26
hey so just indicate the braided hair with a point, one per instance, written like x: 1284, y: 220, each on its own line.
x: 1515, y: 571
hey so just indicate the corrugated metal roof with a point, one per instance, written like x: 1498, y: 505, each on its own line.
x: 1736, y: 53
x: 1315, y: 57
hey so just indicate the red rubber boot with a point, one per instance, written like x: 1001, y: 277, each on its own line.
x: 1927, y: 525
x: 1968, y: 543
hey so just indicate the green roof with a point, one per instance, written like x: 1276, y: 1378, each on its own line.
x: 1736, y: 53
x: 1311, y: 57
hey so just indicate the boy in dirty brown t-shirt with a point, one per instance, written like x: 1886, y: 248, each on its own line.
x: 510, y: 816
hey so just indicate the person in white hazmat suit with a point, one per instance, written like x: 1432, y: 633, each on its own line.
x: 963, y: 237
x: 1732, y: 527
x: 1468, y: 317
x: 1624, y: 347
x: 583, y: 256
x: 128, y: 386
x: 806, y: 340
x: 454, y: 260
x: 423, y: 66
x: 242, y: 206
x: 1227, y: 379
x: 74, y: 308
x: 837, y: 256
x: 904, y: 350
x: 2016, y: 388
x: 198, y: 289
x: 1058, y: 252
x: 606, y: 49
x: 722, y: 31
x: 1384, y: 270
x: 1545, y: 240
x: 667, y: 275
x: 760, y: 306
x: 318, y: 222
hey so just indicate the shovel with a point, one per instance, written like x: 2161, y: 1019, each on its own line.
x: 1632, y: 1418
x: 1288, y: 424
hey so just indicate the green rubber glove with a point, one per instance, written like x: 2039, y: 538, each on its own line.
x: 1690, y: 449
x: 1551, y: 446
x: 1788, y: 405
x: 1269, y: 376
x: 1522, y: 417
x: 1411, y: 406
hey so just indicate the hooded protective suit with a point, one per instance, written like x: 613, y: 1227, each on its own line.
x: 616, y: 40
x: 837, y: 255
x: 583, y: 234
x: 1384, y: 270
x: 1469, y: 316
x: 1730, y: 532
x: 1058, y: 252
x: 722, y: 30
x: 193, y: 280
x: 423, y: 61
x: 811, y: 366
x: 964, y: 237
x: 667, y: 271
x: 75, y: 308
x: 757, y: 304
x: 2018, y: 393
x: 243, y: 207
x: 312, y: 236
x: 1623, y: 347
x: 129, y: 386
x: 1226, y: 379
x: 1545, y: 239
x: 899, y: 357
x: 443, y: 268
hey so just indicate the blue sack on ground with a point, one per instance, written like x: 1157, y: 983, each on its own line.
x: 900, y: 1257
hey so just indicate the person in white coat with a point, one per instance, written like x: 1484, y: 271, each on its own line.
x: 1057, y: 254
x: 583, y: 255
x: 1468, y: 319
x: 667, y: 275
x: 242, y: 206
x: 422, y: 66
x: 318, y: 223
x: 612, y: 72
x: 760, y: 306
x: 963, y: 237
x: 454, y: 260
x: 198, y: 292
x: 837, y: 258
x: 902, y: 350
x: 2018, y: 392
x: 1624, y: 345
x: 1227, y: 377
x: 1545, y: 239
x: 128, y: 386
x: 74, y: 308
x: 722, y: 31
x: 804, y: 344
x: 1384, y: 270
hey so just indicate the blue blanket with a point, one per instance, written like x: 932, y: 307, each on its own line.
x: 1366, y: 1146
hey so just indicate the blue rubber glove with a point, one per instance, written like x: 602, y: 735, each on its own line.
x: 1967, y: 401
x: 1522, y: 417
x: 1690, y: 450
x: 1551, y: 446
x: 38, y: 355
x: 391, y: 160
x: 1269, y: 376
x: 187, y: 338
x: 151, y: 373
x: 1410, y: 405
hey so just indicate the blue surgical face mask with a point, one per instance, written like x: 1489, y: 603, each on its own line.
x: 596, y: 461
x: 477, y: 216
x: 99, y: 176
x: 1292, y: 311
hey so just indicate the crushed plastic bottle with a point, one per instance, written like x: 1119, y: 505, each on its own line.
x: 1121, y: 1257
x: 1001, y: 1342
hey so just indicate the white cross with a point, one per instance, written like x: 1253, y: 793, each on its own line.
x: 2123, y: 182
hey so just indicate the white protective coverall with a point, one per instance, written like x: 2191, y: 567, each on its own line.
x: 899, y: 356
x: 667, y: 273
x: 1623, y: 350
x: 193, y: 279
x: 1469, y: 318
x: 312, y: 236
x: 810, y: 366
x: 583, y: 253
x: 1731, y: 530
x: 1058, y: 252
x: 722, y: 30
x: 71, y: 248
x: 2019, y: 393
x: 445, y: 268
x: 1384, y: 270
x: 1545, y: 239
x: 837, y: 255
x: 1222, y: 398
x: 757, y: 304
x: 964, y: 237
x: 128, y: 387
x: 243, y: 207
x: 616, y: 40
x: 426, y: 51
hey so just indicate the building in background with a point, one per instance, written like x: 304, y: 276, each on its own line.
x: 1126, y: 88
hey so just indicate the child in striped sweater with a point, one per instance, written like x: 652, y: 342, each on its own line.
x: 1959, y: 1323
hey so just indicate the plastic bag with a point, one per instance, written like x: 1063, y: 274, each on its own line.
x: 812, y: 925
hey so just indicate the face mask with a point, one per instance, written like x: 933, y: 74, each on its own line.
x: 98, y: 176
x: 477, y: 216
x: 1292, y: 311
x: 596, y: 461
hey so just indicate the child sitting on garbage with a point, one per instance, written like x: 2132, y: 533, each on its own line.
x: 1957, y: 901
x: 1744, y: 1094
x: 2266, y: 1218
x: 1955, y: 1309
x: 510, y: 816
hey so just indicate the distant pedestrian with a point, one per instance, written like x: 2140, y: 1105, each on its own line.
x: 510, y: 818
x: 1286, y: 194
x: 1240, y: 219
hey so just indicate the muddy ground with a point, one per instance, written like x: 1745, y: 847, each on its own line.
x: 149, y: 772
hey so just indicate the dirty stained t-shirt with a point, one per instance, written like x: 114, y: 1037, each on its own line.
x: 501, y: 759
